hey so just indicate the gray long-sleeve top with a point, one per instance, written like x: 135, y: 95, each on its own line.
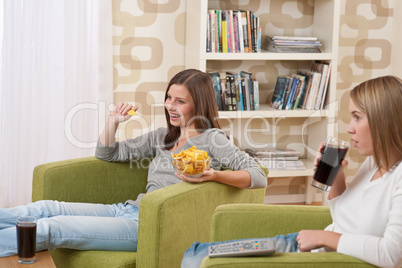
x: 161, y: 172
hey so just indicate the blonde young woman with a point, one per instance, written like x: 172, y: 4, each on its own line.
x: 367, y: 213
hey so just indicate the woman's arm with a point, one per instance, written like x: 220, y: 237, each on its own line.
x: 118, y: 115
x: 245, y: 171
x: 239, y: 178
x: 313, y: 239
x: 109, y: 150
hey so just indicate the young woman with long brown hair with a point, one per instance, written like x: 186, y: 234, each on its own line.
x: 191, y: 115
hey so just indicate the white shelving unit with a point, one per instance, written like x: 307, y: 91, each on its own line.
x: 317, y: 124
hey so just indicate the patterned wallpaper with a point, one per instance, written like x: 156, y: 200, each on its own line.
x: 149, y: 46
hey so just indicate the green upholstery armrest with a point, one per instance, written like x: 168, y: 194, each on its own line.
x: 173, y: 218
x: 253, y: 221
x: 170, y: 219
x: 247, y: 220
x: 88, y: 180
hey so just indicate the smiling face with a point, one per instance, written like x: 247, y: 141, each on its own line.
x: 360, y: 130
x: 180, y: 106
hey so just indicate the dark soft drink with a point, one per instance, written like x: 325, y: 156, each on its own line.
x: 26, y: 237
x: 329, y: 164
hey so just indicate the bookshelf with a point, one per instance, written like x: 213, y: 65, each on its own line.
x: 314, y: 125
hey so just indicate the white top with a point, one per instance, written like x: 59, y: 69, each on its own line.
x: 368, y: 214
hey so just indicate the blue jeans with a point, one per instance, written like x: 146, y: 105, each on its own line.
x: 79, y: 226
x: 194, y: 255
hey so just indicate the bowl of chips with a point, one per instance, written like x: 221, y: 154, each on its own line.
x: 191, y: 162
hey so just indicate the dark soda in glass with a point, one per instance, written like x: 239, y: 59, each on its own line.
x: 328, y: 166
x: 26, y: 241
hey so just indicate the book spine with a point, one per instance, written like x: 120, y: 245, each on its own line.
x: 232, y: 35
x: 224, y: 33
x: 312, y: 96
x: 299, y: 92
x: 289, y: 103
x: 259, y: 37
x: 286, y: 93
x: 212, y: 26
x: 249, y: 34
x: 246, y: 102
x: 245, y: 31
x: 250, y: 81
x: 208, y: 44
x: 253, y: 32
x: 236, y: 34
x: 240, y: 31
x: 216, y: 82
x: 241, y: 90
x: 233, y: 92
x: 326, y: 86
x: 256, y: 95
x: 219, y: 30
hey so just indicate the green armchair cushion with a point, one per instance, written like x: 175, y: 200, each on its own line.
x: 170, y: 219
x: 240, y: 221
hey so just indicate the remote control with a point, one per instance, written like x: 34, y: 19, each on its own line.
x: 249, y: 247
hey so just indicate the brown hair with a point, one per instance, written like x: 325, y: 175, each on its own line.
x: 381, y: 100
x: 199, y: 85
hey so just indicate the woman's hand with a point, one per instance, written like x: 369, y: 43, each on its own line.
x: 208, y: 175
x: 339, y: 185
x: 119, y: 113
x: 313, y: 239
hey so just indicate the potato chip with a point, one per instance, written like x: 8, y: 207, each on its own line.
x: 131, y: 112
x: 191, y: 161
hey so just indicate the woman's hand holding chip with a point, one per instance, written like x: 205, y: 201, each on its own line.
x: 120, y: 112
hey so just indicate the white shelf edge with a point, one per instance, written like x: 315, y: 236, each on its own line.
x: 294, y: 173
x: 266, y: 111
x: 266, y: 56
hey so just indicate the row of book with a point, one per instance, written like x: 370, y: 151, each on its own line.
x: 278, y: 159
x: 293, y: 44
x: 235, y: 91
x: 233, y: 31
x: 305, y: 90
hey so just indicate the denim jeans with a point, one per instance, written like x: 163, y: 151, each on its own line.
x: 79, y: 226
x: 194, y: 255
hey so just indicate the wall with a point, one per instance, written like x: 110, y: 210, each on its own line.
x: 149, y: 49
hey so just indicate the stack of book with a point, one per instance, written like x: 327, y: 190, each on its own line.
x: 233, y: 31
x: 305, y: 90
x: 293, y: 44
x: 235, y: 91
x: 278, y: 159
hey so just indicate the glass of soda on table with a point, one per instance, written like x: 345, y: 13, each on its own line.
x: 332, y: 155
x: 26, y: 239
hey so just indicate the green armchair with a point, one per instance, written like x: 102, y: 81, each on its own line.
x: 240, y: 221
x: 170, y: 219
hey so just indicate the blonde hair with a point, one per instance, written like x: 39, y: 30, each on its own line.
x: 381, y: 100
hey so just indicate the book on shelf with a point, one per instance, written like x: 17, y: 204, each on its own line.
x: 305, y: 90
x: 293, y: 44
x: 233, y: 31
x: 278, y: 158
x: 256, y: 95
x: 247, y: 76
x: 235, y: 91
x: 272, y: 152
x: 230, y: 85
x: 280, y: 87
x: 280, y: 164
x: 325, y: 70
x: 216, y: 82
